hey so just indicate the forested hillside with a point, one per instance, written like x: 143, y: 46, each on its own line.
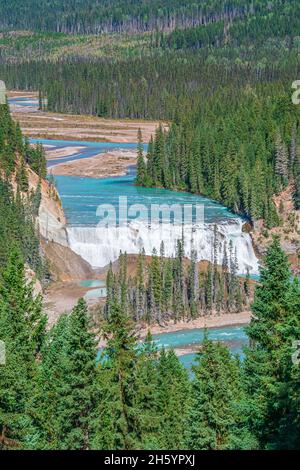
x: 93, y: 16
x: 18, y: 206
x: 226, y: 85
x: 57, y: 392
x: 178, y: 289
x: 241, y: 148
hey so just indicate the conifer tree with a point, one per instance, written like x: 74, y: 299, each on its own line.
x: 147, y: 395
x: 117, y: 405
x: 173, y: 400
x: 63, y: 407
x: 274, y: 307
x: 141, y: 165
x: 22, y: 329
x: 217, y: 418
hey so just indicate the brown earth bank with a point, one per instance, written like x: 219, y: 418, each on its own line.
x: 104, y: 165
x: 41, y: 124
x: 64, y: 264
x: 206, y: 321
x: 288, y: 231
x: 61, y: 297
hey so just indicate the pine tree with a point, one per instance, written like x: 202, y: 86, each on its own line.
x: 46, y: 406
x: 140, y: 285
x: 81, y: 378
x: 156, y: 284
x: 64, y: 405
x: 284, y: 406
x: 118, y: 426
x: 22, y: 329
x: 267, y: 339
x: 293, y: 148
x: 217, y: 420
x: 141, y: 179
x: 192, y: 284
x: 295, y: 161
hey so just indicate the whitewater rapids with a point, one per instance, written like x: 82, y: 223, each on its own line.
x: 102, y: 245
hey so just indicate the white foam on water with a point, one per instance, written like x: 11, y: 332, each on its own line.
x: 101, y: 245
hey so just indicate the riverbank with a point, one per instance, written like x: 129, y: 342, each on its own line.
x: 104, y: 165
x: 209, y: 321
x: 45, y: 125
x: 57, y: 153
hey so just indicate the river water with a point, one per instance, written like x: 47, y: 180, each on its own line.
x: 81, y: 198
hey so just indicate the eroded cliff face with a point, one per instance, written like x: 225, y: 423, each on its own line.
x: 64, y: 264
x: 51, y: 219
x: 32, y: 279
x: 288, y: 231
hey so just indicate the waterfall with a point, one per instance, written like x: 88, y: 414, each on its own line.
x: 100, y: 245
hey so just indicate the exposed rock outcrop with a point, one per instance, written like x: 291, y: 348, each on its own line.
x: 288, y: 231
x: 51, y: 219
x: 64, y: 264
x: 31, y: 278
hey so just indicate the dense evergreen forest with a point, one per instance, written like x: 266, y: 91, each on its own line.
x: 94, y: 16
x: 239, y: 149
x: 177, y: 288
x: 19, y: 205
x: 161, y: 74
x: 225, y: 85
x: 221, y: 72
x: 57, y: 393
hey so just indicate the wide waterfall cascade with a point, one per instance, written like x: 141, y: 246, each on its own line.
x: 102, y: 245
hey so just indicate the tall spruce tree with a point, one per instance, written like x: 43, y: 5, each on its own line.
x: 217, y: 419
x: 63, y: 407
x: 118, y: 426
x: 274, y: 325
x: 22, y: 329
x: 141, y: 165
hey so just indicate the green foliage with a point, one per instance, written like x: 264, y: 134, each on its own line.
x: 234, y: 138
x: 66, y: 392
x: 22, y: 329
x: 270, y: 375
x: 230, y: 151
x: 173, y: 400
x: 119, y: 372
x: 19, y: 207
x: 218, y: 418
x: 175, y: 288
x: 55, y: 394
x: 86, y: 16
